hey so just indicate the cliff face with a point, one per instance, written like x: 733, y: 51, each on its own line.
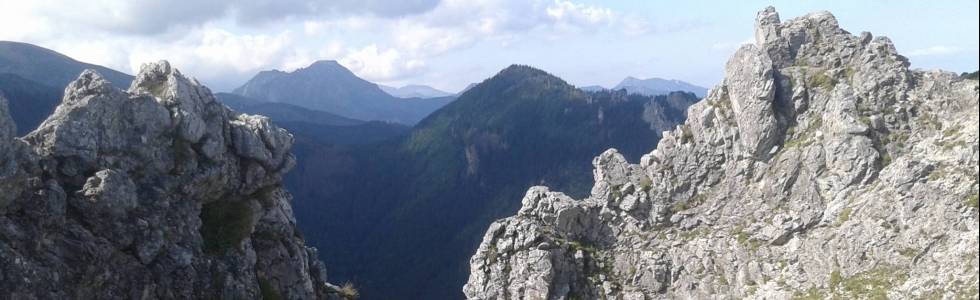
x: 822, y: 166
x: 157, y: 192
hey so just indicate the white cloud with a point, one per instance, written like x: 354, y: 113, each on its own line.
x: 934, y: 51
x: 224, y: 42
x: 579, y: 14
x: 381, y: 65
x: 151, y: 17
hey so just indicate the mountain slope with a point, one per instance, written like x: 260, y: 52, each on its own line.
x: 33, y: 78
x: 30, y: 102
x: 657, y: 86
x: 156, y: 192
x: 822, y: 167
x: 283, y: 112
x: 327, y: 86
x: 50, y: 68
x: 415, y: 91
x: 429, y: 194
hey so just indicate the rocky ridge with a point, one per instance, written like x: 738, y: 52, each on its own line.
x: 821, y: 167
x: 157, y: 192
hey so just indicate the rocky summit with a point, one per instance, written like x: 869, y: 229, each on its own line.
x: 822, y: 167
x: 157, y: 192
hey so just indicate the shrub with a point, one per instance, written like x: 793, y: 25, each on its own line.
x: 972, y: 201
x: 269, y: 292
x: 224, y: 224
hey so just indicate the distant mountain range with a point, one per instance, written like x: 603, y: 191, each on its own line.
x: 652, y: 87
x: 330, y: 87
x: 415, y: 91
x: 429, y: 193
x: 363, y: 188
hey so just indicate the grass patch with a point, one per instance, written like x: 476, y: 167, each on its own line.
x: 224, y: 224
x: 349, y: 292
x: 646, y: 184
x: 849, y: 73
x: 269, y: 292
x: 908, y: 252
x: 952, y: 131
x: 806, y: 137
x: 835, y: 279
x: 823, y: 81
x: 873, y: 284
x: 886, y: 159
x: 973, y: 201
x: 692, y: 202
x: 810, y: 294
x: 845, y: 215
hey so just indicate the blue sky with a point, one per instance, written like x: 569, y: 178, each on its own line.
x: 451, y: 43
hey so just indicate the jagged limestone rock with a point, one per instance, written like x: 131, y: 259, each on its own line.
x: 158, y: 192
x: 822, y: 167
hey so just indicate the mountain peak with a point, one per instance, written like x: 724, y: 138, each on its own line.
x: 814, y: 140
x: 522, y: 70
x: 168, y: 189
x: 521, y: 76
x: 326, y: 63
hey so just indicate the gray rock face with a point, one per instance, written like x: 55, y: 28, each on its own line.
x: 158, y: 192
x: 822, y: 167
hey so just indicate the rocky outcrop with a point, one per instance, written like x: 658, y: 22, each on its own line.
x: 158, y: 192
x: 822, y: 167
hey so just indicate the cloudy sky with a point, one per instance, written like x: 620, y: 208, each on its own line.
x: 451, y: 43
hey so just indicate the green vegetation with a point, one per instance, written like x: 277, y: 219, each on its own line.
x: 492, y: 254
x: 810, y: 294
x: 743, y: 238
x: 823, y: 81
x: 806, y: 137
x: 616, y: 193
x: 269, y: 292
x: 224, y: 224
x: 845, y: 215
x: 908, y: 252
x: 584, y: 247
x: 886, y: 159
x: 873, y: 284
x: 646, y: 184
x: 835, y: 279
x: 692, y: 202
x: 349, y: 292
x: 849, y: 73
x: 972, y: 201
x: 973, y: 75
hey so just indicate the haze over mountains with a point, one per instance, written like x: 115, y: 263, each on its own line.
x: 328, y: 86
x: 427, y: 193
x: 652, y: 87
x: 415, y: 91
